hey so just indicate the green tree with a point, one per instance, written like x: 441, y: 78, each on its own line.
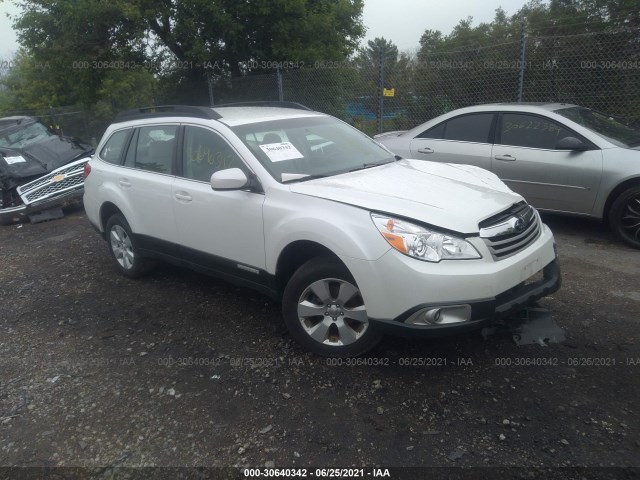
x: 377, y: 48
x: 181, y: 38
x: 111, y: 55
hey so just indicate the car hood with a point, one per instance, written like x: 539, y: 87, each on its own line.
x: 453, y: 197
x: 21, y: 165
x: 54, y: 152
x: 395, y: 133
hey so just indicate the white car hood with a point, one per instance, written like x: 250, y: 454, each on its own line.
x: 449, y: 196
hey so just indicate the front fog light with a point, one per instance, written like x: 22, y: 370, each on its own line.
x: 444, y: 315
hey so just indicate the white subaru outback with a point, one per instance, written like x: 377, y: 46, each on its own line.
x: 301, y: 206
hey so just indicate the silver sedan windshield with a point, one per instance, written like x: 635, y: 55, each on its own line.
x: 604, y: 125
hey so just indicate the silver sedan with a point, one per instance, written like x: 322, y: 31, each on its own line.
x: 560, y: 157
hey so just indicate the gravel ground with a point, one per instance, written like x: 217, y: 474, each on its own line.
x: 179, y: 369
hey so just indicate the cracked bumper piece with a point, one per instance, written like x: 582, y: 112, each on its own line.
x: 433, y: 320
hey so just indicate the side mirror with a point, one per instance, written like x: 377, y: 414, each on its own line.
x: 229, y: 179
x: 571, y: 143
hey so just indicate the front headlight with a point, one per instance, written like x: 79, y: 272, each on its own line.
x: 423, y: 243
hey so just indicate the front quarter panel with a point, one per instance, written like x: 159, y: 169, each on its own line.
x: 619, y: 165
x: 346, y: 230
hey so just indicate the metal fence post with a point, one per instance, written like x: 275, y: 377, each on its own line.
x: 280, y: 93
x: 210, y: 87
x: 523, y: 48
x: 381, y: 91
x: 54, y: 121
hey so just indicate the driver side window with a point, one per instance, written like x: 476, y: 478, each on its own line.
x: 205, y: 152
x: 532, y: 131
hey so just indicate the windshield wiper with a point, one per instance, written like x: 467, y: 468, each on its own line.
x: 302, y: 178
x: 375, y: 164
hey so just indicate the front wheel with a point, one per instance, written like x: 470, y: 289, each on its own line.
x: 625, y: 216
x: 324, y: 311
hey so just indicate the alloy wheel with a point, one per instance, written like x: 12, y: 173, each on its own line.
x: 121, y: 246
x: 332, y: 312
x: 631, y: 218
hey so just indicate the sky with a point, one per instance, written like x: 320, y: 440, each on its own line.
x: 401, y: 21
x: 404, y: 21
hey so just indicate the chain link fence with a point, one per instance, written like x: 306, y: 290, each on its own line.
x: 596, y: 70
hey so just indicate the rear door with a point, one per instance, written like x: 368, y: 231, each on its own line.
x: 145, y: 181
x: 526, y: 159
x: 465, y: 139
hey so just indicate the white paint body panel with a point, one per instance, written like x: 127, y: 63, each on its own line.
x: 453, y: 197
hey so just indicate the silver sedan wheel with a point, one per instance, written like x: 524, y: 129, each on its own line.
x: 121, y: 246
x: 631, y: 218
x: 332, y: 312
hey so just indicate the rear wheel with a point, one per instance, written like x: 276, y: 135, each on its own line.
x: 123, y: 249
x: 324, y: 311
x: 625, y: 216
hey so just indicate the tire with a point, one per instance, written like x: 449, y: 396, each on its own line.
x: 324, y: 312
x: 624, y: 216
x: 123, y: 248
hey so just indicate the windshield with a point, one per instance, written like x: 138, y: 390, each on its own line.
x: 310, y: 147
x: 23, y: 136
x: 611, y: 129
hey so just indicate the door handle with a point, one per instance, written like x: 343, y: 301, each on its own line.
x: 425, y: 150
x: 124, y: 183
x: 183, y: 197
x: 505, y: 158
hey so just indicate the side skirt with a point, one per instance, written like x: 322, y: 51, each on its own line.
x: 219, y: 267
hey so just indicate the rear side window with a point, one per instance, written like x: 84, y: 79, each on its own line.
x: 466, y: 128
x: 112, y: 150
x: 522, y: 130
x: 153, y: 149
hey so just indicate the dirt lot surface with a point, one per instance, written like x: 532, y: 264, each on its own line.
x: 179, y: 369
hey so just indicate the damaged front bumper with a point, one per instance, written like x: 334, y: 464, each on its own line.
x: 480, y: 313
x: 59, y: 188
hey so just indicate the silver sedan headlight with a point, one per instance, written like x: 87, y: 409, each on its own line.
x: 423, y: 243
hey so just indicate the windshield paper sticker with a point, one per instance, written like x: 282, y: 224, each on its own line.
x: 12, y: 160
x: 277, y: 152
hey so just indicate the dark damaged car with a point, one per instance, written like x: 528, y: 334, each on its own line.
x: 39, y: 170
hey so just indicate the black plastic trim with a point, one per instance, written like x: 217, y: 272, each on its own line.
x: 208, y: 264
x: 265, y: 103
x: 167, y: 111
x: 415, y: 221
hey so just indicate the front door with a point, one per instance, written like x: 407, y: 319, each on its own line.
x: 220, y: 228
x: 525, y: 158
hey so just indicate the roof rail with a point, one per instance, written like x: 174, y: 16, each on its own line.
x: 167, y: 110
x: 265, y: 103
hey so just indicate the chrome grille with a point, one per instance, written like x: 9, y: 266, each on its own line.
x: 512, y: 232
x: 61, y: 180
